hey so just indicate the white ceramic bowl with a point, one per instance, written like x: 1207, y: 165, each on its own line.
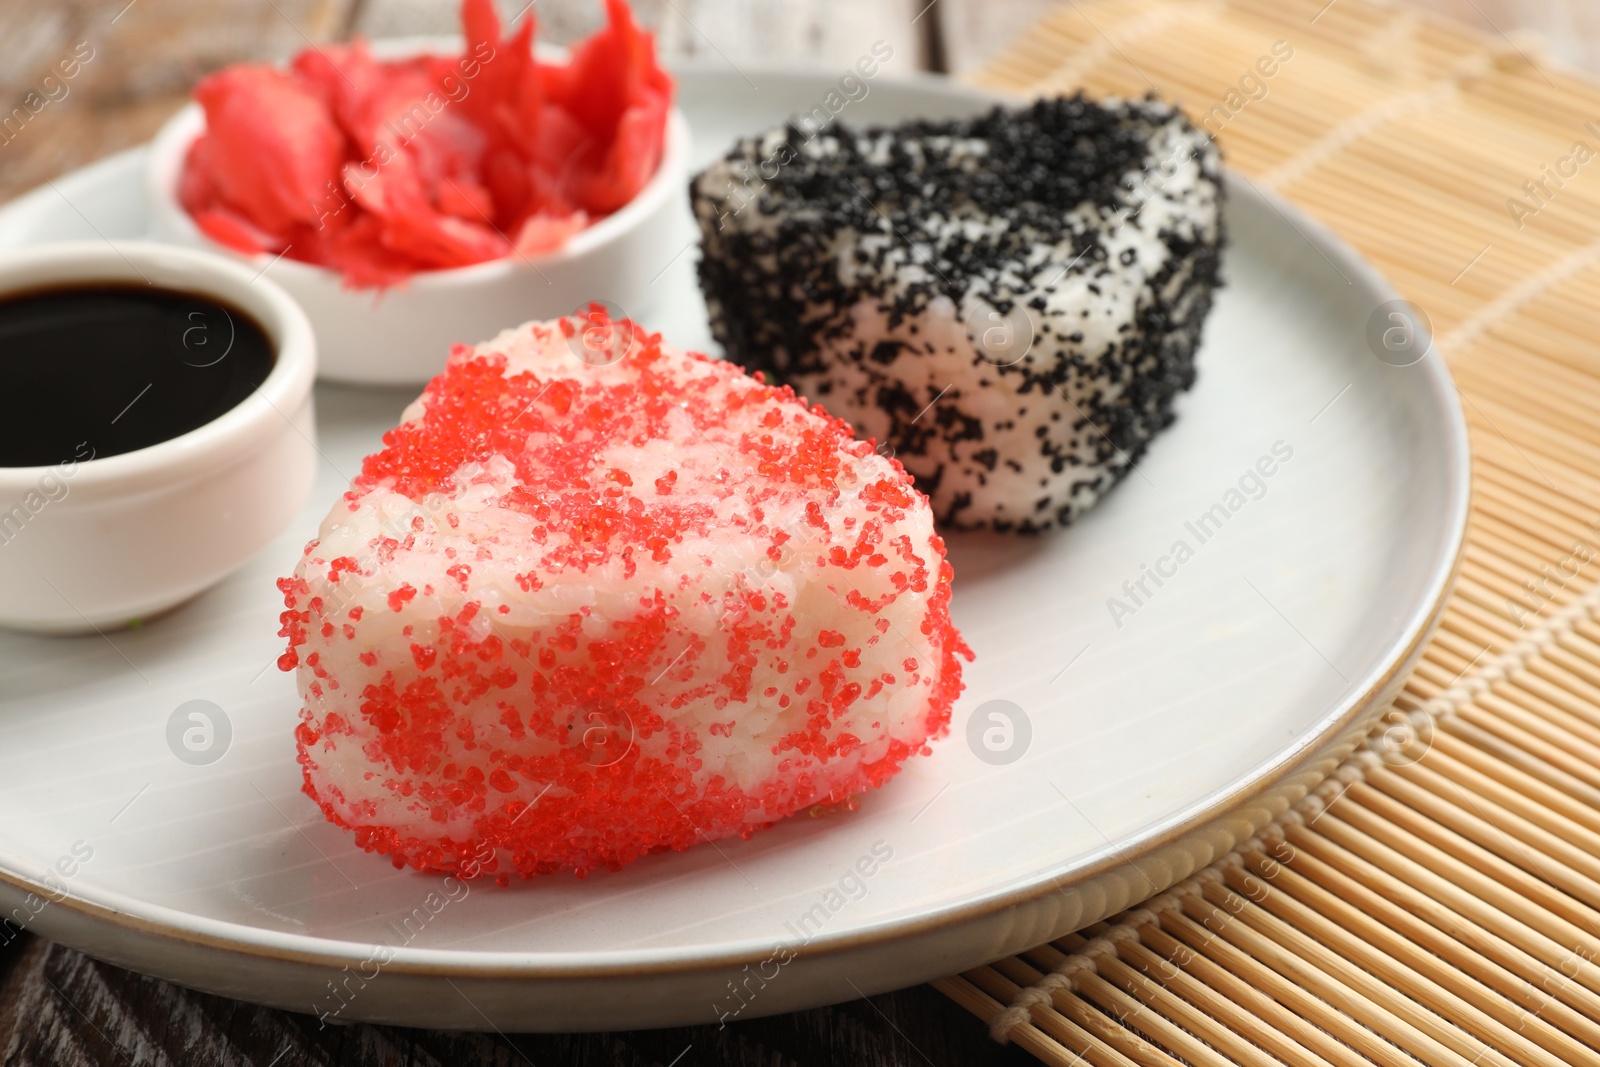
x: 402, y: 336
x: 107, y: 541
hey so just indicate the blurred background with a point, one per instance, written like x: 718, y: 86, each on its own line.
x: 149, y: 52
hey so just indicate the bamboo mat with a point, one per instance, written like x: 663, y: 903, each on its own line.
x: 1438, y: 900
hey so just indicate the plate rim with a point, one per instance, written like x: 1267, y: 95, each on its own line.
x: 175, y: 925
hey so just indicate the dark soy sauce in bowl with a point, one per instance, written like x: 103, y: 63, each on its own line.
x: 99, y: 370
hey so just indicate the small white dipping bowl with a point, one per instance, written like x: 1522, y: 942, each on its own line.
x: 102, y: 542
x: 402, y: 336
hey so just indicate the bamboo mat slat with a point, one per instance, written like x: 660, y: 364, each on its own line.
x: 1438, y: 899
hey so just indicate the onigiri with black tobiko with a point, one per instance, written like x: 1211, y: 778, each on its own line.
x: 1012, y: 302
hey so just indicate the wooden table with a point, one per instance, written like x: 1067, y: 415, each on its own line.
x: 60, y: 1007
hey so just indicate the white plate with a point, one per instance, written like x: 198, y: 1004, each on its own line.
x: 1154, y: 745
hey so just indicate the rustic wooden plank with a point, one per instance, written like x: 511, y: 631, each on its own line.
x: 740, y: 32
x: 60, y: 1008
x: 131, y: 64
x: 975, y: 31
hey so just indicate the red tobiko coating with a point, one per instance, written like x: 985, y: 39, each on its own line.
x: 379, y: 169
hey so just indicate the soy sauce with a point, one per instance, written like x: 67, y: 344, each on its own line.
x: 107, y: 369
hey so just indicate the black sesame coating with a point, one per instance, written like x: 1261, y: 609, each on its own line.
x: 1034, y: 208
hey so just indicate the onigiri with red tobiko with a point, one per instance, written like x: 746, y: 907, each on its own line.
x: 577, y: 610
